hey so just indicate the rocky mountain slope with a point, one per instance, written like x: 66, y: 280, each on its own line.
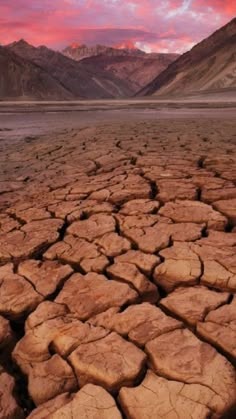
x: 128, y: 64
x: 76, y: 79
x: 22, y: 78
x: 210, y: 65
x: 138, y: 70
x: 28, y: 72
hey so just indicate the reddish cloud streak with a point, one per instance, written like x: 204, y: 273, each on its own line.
x: 163, y: 25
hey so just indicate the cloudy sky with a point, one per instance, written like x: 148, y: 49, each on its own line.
x: 152, y: 25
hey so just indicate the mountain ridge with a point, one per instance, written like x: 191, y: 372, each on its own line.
x: 22, y: 79
x: 134, y: 66
x: 101, y: 72
x: 201, y: 68
x: 118, y: 74
x: 80, y: 82
x: 80, y: 51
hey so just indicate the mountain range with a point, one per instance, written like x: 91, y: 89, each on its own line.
x: 80, y: 51
x: 20, y: 78
x: 40, y: 73
x: 77, y: 80
x: 82, y: 72
x: 209, y: 66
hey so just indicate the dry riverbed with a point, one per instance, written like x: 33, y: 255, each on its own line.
x: 118, y: 267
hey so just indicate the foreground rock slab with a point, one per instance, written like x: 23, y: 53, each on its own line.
x: 228, y: 208
x: 192, y: 304
x: 79, y: 253
x: 49, y: 379
x: 140, y: 323
x: 111, y: 362
x: 145, y: 262
x: 218, y: 266
x: 111, y: 244
x: 181, y: 356
x: 42, y: 354
x: 45, y: 410
x: 17, y: 295
x: 139, y: 206
x: 30, y: 240
x: 7, y: 224
x: 182, y: 266
x: 132, y: 187
x: 196, y: 212
x: 218, y: 239
x: 46, y: 277
x: 95, y: 226
x: 9, y: 408
x: 6, y: 333
x: 151, y: 239
x: 91, y: 294
x: 129, y: 273
x: 170, y: 190
x: 219, y: 329
x: 90, y: 402
x: 159, y: 398
x: 60, y: 334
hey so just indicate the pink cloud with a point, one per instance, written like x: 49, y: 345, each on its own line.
x: 168, y: 25
x: 226, y: 7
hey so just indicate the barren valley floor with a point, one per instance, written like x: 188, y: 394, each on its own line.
x: 117, y: 261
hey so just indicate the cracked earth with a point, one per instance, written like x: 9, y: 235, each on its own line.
x: 118, y: 272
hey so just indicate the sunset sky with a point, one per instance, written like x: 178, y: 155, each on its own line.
x: 152, y: 25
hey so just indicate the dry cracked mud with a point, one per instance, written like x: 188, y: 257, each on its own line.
x: 118, y: 272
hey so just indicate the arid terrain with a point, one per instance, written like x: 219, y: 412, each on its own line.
x: 117, y: 260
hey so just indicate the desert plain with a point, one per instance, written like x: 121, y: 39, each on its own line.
x: 117, y: 259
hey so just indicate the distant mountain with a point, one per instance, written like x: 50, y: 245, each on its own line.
x: 78, y: 80
x: 128, y: 64
x: 80, y: 51
x: 20, y: 78
x: 210, y: 65
x: 137, y: 70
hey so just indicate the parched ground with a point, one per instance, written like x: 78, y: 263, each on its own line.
x: 118, y: 272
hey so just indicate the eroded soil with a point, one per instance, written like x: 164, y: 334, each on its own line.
x: 118, y: 272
